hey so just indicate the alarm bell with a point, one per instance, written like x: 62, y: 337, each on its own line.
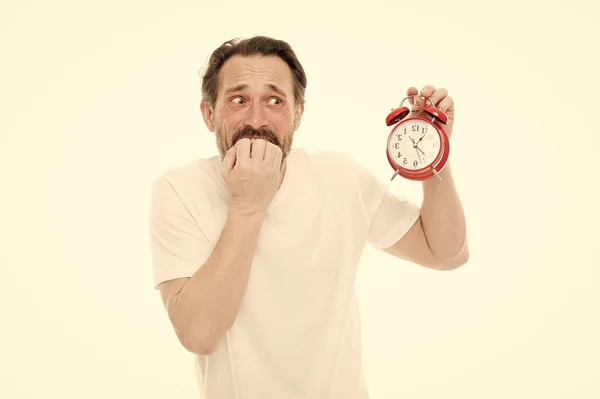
x: 435, y: 112
x: 397, y: 114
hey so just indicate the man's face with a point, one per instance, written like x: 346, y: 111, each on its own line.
x: 255, y: 99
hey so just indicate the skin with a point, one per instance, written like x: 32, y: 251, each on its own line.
x: 254, y: 120
x: 438, y: 239
x: 256, y: 99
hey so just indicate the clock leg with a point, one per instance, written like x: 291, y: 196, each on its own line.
x: 395, y: 174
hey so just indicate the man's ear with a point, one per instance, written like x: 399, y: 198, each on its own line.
x: 299, y: 113
x: 208, y: 115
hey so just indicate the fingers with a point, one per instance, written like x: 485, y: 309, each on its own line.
x: 427, y: 91
x: 243, y: 149
x: 436, y: 96
x: 273, y: 155
x: 278, y: 158
x: 429, y: 95
x: 258, y: 149
x: 246, y: 150
x: 413, y: 91
x: 447, y: 104
x: 416, y: 103
x: 229, y: 159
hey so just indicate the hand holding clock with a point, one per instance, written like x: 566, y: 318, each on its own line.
x: 426, y: 124
x: 427, y: 127
x: 431, y: 96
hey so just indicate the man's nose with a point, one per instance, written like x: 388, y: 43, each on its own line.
x: 256, y: 117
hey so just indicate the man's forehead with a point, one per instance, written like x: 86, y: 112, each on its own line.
x: 271, y: 73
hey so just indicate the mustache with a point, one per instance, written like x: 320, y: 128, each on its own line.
x: 254, y: 133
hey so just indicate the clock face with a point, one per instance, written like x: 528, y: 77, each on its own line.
x: 414, y: 144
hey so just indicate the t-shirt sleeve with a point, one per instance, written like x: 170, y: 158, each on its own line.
x: 178, y: 245
x: 389, y: 216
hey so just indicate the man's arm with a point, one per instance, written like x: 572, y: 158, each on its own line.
x: 203, y: 307
x: 438, y: 239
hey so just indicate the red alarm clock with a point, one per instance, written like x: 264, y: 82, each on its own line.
x: 417, y: 147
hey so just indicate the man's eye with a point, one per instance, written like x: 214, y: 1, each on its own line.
x: 275, y: 101
x: 239, y: 100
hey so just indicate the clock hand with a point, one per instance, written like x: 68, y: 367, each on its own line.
x: 416, y: 147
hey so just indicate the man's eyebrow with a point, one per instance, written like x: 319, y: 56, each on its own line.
x: 242, y: 86
x: 276, y: 89
x: 236, y: 88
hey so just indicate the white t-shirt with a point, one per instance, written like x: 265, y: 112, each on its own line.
x: 298, y: 333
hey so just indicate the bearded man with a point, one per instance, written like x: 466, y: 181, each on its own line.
x: 255, y: 250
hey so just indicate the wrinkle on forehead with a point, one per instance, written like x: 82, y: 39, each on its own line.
x: 253, y: 70
x: 267, y: 69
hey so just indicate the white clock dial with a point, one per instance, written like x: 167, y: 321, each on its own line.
x: 414, y: 145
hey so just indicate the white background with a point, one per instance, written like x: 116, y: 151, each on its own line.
x: 98, y: 98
